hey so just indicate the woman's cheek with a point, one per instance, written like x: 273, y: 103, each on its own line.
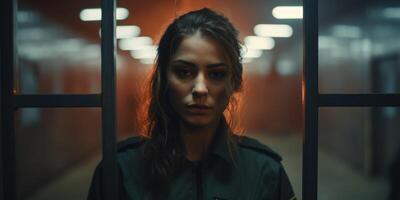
x: 176, y: 94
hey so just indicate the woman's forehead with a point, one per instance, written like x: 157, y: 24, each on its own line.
x: 201, y: 48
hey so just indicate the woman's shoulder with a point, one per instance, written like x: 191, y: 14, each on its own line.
x: 257, y: 148
x: 131, y: 143
x: 131, y: 149
x: 130, y: 156
x: 270, y: 170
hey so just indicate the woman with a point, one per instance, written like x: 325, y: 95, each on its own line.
x: 191, y: 151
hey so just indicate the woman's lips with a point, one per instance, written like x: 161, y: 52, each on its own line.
x: 198, y: 109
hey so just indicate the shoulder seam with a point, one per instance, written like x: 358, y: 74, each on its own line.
x: 253, y: 144
x: 131, y: 142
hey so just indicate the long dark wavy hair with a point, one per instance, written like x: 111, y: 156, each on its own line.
x: 165, y: 151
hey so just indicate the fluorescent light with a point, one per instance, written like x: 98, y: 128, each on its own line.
x: 94, y: 14
x: 288, y: 12
x: 127, y: 31
x: 391, y: 12
x: 148, y: 61
x: 346, y: 31
x: 273, y: 30
x: 145, y: 47
x: 250, y: 53
x: 122, y: 32
x: 90, y: 14
x: 144, y: 54
x: 134, y: 43
x: 255, y: 42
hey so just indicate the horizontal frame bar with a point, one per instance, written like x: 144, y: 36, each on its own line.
x: 360, y: 100
x: 58, y: 100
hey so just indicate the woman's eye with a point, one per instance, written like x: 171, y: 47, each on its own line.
x: 184, y: 73
x: 217, y: 75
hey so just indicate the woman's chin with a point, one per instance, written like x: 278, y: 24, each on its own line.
x: 198, y: 121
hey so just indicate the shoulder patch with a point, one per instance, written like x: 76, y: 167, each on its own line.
x: 132, y: 142
x: 254, y: 144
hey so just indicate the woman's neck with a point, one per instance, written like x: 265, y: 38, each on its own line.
x: 197, y: 140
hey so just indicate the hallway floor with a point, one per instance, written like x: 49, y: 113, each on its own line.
x: 336, y: 180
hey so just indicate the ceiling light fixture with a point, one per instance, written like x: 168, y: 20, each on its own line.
x: 125, y: 31
x: 256, y: 42
x: 247, y: 52
x: 288, y: 12
x: 273, y: 30
x: 135, y: 43
x: 94, y: 14
x: 144, y: 54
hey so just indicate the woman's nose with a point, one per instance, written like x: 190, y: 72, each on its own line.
x: 200, y: 86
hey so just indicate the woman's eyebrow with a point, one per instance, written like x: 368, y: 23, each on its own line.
x: 217, y: 65
x: 194, y: 65
x: 184, y: 62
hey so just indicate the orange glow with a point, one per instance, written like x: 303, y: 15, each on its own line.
x: 233, y: 113
x: 303, y: 92
x: 144, y: 94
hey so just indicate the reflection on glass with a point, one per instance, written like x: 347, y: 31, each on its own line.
x: 56, y: 152
x: 358, y: 152
x: 351, y: 40
x: 51, y: 54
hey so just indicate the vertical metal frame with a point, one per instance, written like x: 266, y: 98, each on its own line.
x: 10, y: 101
x: 7, y: 63
x: 310, y: 81
x: 314, y: 100
x: 109, y: 173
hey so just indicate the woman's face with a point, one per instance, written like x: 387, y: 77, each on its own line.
x: 199, y: 81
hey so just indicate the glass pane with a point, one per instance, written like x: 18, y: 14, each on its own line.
x: 56, y: 152
x: 57, y: 51
x: 359, y: 46
x: 359, y: 153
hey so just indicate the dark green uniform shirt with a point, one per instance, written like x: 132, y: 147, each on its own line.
x: 251, y: 172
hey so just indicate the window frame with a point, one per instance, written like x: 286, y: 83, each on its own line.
x: 11, y: 101
x: 313, y: 100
